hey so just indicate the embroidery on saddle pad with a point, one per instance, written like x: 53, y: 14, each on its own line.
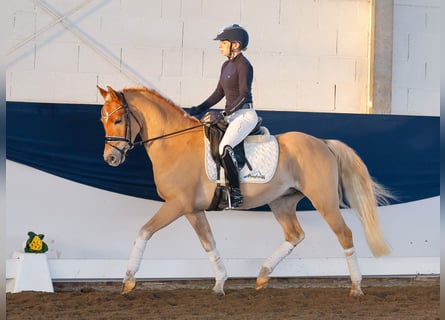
x: 261, y: 152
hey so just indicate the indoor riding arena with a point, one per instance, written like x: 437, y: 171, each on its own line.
x: 87, y: 239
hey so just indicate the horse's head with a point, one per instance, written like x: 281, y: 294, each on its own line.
x: 118, y: 122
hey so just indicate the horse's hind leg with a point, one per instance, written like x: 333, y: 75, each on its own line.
x: 335, y: 220
x: 328, y: 206
x: 202, y: 228
x: 284, y: 211
x: 344, y: 235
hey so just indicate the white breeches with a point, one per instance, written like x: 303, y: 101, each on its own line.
x: 241, y: 123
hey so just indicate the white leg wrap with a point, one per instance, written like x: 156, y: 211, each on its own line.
x: 136, y: 255
x: 217, y: 265
x: 283, y: 250
x: 354, y: 270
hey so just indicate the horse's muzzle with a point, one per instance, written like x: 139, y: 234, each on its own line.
x: 114, y: 159
x: 115, y: 155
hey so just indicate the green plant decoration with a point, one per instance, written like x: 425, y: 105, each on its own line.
x: 35, y: 243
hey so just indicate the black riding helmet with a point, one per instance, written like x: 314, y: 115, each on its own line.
x: 234, y: 33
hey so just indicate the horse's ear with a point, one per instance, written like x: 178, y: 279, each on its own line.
x: 103, y: 92
x: 113, y: 94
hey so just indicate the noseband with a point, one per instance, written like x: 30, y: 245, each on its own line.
x: 127, y: 137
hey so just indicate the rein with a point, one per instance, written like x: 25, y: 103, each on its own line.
x: 167, y: 135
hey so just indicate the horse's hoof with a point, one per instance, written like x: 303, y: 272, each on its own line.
x: 219, y: 293
x: 218, y: 289
x: 356, y: 292
x: 261, y: 283
x: 356, y: 289
x: 263, y: 278
x: 128, y: 286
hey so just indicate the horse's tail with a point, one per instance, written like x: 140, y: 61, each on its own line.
x: 361, y: 193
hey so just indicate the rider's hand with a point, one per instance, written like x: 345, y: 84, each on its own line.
x: 212, y: 118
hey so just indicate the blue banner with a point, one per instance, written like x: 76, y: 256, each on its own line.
x: 67, y: 140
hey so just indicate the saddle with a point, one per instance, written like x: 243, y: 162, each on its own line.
x: 214, y: 129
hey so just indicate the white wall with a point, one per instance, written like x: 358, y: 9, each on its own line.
x: 416, y: 57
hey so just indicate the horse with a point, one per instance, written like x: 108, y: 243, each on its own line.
x: 328, y: 172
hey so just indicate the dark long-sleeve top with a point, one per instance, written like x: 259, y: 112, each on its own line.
x: 235, y: 83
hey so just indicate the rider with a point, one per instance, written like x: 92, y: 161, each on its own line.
x: 235, y: 84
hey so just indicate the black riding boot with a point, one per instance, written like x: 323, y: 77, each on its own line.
x: 231, y: 170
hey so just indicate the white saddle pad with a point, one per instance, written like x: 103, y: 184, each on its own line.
x: 261, y: 152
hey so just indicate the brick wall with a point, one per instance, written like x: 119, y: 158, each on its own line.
x: 308, y: 55
x: 416, y: 57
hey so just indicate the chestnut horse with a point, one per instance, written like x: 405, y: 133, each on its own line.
x: 321, y: 170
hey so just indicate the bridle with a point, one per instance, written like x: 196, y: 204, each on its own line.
x: 127, y: 138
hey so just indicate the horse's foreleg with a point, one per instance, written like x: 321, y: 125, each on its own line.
x: 219, y: 270
x: 133, y: 264
x: 166, y: 214
x: 202, y: 228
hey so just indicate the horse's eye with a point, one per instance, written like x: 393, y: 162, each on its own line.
x: 117, y: 121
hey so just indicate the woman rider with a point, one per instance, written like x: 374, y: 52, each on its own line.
x: 235, y: 84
